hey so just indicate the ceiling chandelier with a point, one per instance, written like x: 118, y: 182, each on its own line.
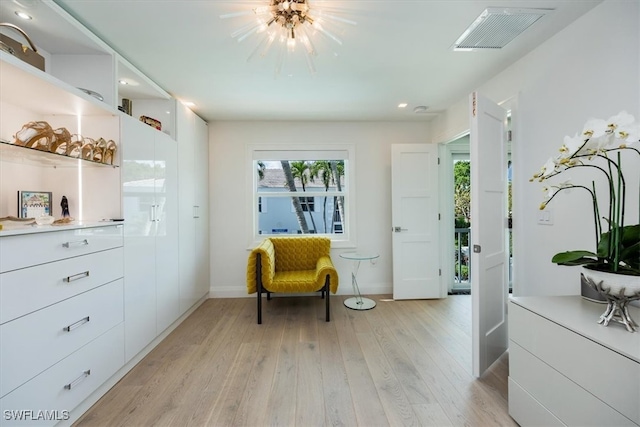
x: 287, y: 23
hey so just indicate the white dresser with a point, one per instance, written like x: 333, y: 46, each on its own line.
x: 566, y: 369
x: 61, y: 318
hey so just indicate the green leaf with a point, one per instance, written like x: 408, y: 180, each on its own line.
x: 631, y: 256
x: 574, y: 258
x: 630, y: 238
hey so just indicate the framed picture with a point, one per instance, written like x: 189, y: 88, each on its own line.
x: 33, y: 204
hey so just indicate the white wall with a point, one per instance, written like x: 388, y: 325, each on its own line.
x: 230, y: 230
x: 590, y: 69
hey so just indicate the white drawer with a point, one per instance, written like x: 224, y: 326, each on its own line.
x: 65, y: 385
x: 569, y: 402
x: 27, y: 250
x: 29, y: 289
x: 526, y: 410
x: 32, y: 343
x: 595, y: 368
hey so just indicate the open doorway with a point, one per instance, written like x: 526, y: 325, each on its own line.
x: 457, y: 221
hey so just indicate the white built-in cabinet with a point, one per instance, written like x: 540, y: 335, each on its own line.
x: 150, y: 205
x: 193, y: 195
x: 61, y: 318
x: 565, y: 369
x: 81, y: 304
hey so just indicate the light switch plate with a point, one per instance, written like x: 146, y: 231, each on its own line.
x: 545, y: 217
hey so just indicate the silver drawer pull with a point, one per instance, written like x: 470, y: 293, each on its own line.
x: 78, y: 380
x: 77, y: 324
x: 76, y: 276
x: 79, y: 243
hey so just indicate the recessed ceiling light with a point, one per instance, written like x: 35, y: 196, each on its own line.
x: 403, y: 105
x: 23, y: 15
x: 188, y: 103
x: 129, y: 82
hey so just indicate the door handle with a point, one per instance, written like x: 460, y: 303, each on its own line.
x: 77, y: 243
x: 71, y: 278
x: 399, y: 229
x: 78, y: 380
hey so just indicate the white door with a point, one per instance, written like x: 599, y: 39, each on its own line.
x: 414, y: 214
x: 489, y: 254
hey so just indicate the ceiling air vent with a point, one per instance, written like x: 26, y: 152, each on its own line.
x: 495, y: 27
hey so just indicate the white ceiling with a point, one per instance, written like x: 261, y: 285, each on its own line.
x: 399, y: 51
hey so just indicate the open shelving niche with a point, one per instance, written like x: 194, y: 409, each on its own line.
x: 74, y: 58
x: 29, y: 94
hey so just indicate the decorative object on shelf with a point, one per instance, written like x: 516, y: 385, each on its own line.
x: 11, y: 218
x: 61, y: 141
x: 64, y: 204
x: 33, y: 204
x: 89, y: 92
x: 151, y: 122
x: 74, y: 148
x: 602, y: 147
x: 110, y: 153
x: 618, y: 290
x: 294, y: 20
x: 28, y: 54
x: 99, y: 149
x: 127, y: 106
x: 44, y: 220
x: 86, y: 152
x: 63, y: 221
x: 38, y: 135
x: 41, y: 136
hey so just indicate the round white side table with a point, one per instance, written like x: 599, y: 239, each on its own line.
x: 358, y: 302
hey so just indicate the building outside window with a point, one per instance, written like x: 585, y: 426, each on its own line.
x: 307, y: 192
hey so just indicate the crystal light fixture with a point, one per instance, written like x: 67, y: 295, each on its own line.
x: 287, y: 22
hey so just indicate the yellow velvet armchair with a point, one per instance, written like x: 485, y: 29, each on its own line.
x: 293, y: 265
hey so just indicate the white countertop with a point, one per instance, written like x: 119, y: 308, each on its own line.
x: 17, y: 228
x: 581, y: 316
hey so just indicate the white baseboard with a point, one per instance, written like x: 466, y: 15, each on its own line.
x: 241, y: 292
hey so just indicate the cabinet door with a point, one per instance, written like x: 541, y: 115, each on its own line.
x: 166, y: 229
x: 187, y: 212
x: 138, y: 182
x: 202, y: 210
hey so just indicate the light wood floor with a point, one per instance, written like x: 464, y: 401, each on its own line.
x: 402, y: 363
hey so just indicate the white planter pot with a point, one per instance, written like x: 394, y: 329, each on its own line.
x: 614, y: 283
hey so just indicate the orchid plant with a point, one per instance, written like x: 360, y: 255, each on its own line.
x: 599, y: 146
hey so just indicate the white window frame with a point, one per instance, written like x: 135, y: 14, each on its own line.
x: 269, y: 151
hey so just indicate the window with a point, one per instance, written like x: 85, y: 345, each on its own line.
x: 307, y: 192
x: 308, y: 204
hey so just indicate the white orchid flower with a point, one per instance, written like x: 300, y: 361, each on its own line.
x: 595, y: 128
x: 627, y: 134
x: 565, y: 184
x: 620, y: 120
x: 572, y: 145
x: 549, y: 167
x: 599, y: 136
